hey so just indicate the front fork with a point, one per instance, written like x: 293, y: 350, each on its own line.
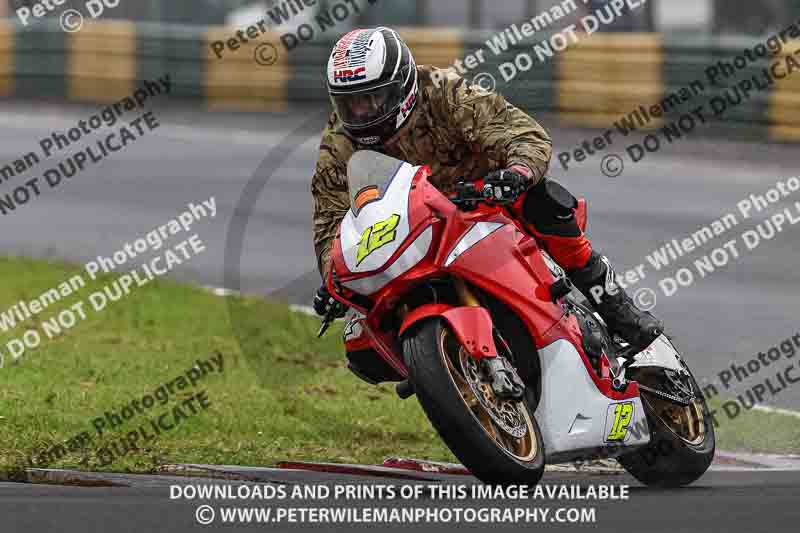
x: 465, y: 295
x: 469, y: 321
x: 473, y: 327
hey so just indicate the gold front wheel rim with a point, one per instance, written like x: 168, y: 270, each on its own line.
x: 523, y: 449
x: 685, y: 422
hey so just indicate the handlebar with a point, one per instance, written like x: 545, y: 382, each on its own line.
x: 344, y: 296
x: 470, y: 193
x: 326, y: 322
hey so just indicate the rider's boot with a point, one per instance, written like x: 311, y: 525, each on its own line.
x: 597, y: 282
x: 506, y: 384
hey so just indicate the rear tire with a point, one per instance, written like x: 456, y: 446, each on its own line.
x: 499, y: 459
x: 672, y: 460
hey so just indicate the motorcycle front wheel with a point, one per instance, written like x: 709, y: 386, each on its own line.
x: 498, y: 441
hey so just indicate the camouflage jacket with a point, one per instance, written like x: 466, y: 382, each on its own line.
x: 461, y: 131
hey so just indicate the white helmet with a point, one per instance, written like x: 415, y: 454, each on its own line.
x: 372, y: 80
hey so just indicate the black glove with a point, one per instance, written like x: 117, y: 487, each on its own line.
x: 504, y: 186
x: 323, y: 302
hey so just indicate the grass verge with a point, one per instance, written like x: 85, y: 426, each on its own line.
x: 286, y: 395
x: 754, y: 430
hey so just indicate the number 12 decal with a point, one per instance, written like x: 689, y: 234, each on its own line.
x: 623, y: 413
x: 376, y: 236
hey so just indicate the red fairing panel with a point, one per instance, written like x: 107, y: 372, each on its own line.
x: 422, y: 312
x: 472, y: 326
x: 506, y: 264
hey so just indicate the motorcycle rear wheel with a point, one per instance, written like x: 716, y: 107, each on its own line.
x: 682, y: 442
x: 442, y: 372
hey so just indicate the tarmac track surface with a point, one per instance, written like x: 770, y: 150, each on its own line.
x: 724, y: 501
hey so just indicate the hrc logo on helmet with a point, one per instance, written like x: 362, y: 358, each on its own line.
x: 349, y: 75
x: 408, y: 105
x: 412, y: 99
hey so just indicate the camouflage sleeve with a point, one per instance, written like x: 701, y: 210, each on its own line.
x: 491, y: 125
x: 329, y: 190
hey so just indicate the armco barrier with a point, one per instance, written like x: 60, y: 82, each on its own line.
x: 7, y: 59
x: 687, y: 61
x: 534, y: 89
x: 40, y: 61
x: 595, y: 82
x: 237, y: 81
x: 179, y: 51
x: 102, y: 62
x: 784, y: 108
x: 607, y: 75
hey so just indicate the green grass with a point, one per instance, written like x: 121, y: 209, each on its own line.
x: 755, y: 431
x: 283, y: 394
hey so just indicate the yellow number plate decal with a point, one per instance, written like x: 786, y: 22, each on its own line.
x: 622, y: 414
x: 376, y: 236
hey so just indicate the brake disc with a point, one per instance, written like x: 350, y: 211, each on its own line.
x: 505, y: 414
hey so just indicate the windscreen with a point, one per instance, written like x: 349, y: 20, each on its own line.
x: 368, y: 176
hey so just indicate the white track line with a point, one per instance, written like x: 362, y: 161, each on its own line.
x: 777, y: 410
x: 303, y: 309
x: 172, y: 131
x: 222, y: 292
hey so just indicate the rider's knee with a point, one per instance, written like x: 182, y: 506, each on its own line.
x: 550, y: 209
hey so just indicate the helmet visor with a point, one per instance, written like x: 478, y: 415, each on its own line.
x: 367, y: 107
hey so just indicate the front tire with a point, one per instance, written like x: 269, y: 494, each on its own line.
x: 682, y: 442
x: 440, y: 371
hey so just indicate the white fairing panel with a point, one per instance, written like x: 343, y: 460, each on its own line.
x: 574, y: 416
x: 410, y: 257
x: 660, y: 354
x: 393, y: 202
x: 353, y: 330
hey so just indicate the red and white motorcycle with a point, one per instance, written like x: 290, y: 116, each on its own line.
x: 440, y: 283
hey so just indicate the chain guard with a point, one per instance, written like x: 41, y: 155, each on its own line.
x: 676, y: 391
x: 670, y: 397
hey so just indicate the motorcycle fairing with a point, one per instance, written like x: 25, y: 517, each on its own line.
x: 386, y: 236
x: 354, y: 334
x: 505, y: 264
x: 391, y: 205
x: 396, y: 267
x: 478, y: 232
x: 575, y: 418
x: 581, y: 413
x: 661, y: 353
x: 472, y: 326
